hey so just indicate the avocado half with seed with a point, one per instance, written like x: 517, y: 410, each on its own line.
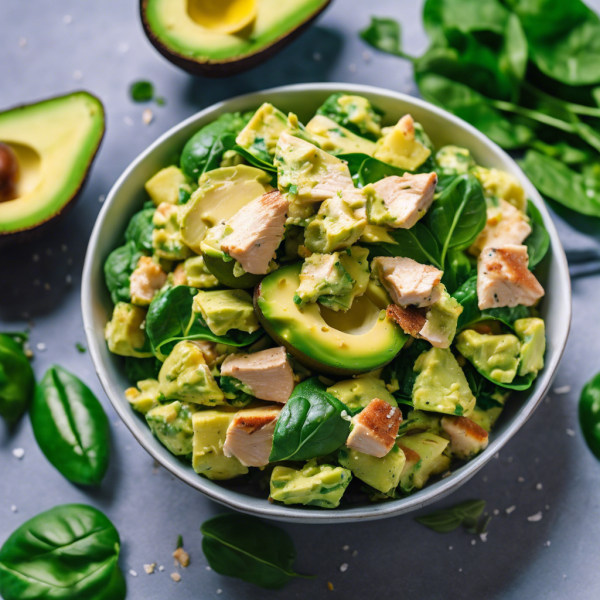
x: 217, y: 38
x: 337, y: 343
x: 46, y: 151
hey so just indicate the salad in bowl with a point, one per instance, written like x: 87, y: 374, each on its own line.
x: 331, y: 310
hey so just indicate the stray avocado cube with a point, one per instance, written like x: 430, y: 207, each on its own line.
x: 145, y: 396
x: 424, y: 457
x: 455, y: 159
x: 210, y: 432
x: 441, y: 385
x: 334, y: 228
x: 532, y: 334
x: 125, y: 333
x: 262, y: 132
x: 166, y: 237
x: 172, y: 425
x: 495, y: 356
x: 383, y: 474
x: 197, y: 274
x: 322, y: 274
x: 226, y: 309
x: 399, y: 146
x: 164, y: 186
x: 312, y: 485
x: 358, y: 392
x: 186, y: 376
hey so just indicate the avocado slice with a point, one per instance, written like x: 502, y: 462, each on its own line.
x: 360, y: 340
x: 221, y: 39
x: 54, y: 143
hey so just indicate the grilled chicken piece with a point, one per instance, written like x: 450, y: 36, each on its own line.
x: 267, y: 373
x: 179, y: 276
x: 258, y: 229
x: 407, y: 281
x: 250, y: 435
x: 503, y: 278
x: 145, y: 281
x: 412, y: 457
x: 375, y: 428
x: 411, y: 319
x: 505, y: 225
x: 466, y: 437
x: 407, y: 198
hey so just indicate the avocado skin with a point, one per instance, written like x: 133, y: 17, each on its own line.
x: 223, y: 271
x: 31, y: 233
x: 231, y: 66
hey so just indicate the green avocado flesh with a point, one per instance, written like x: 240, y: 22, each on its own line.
x: 54, y: 142
x: 177, y: 26
x: 360, y: 340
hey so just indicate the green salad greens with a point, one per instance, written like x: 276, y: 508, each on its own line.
x: 339, y: 304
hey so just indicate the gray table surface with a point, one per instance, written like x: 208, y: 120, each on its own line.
x: 55, y: 46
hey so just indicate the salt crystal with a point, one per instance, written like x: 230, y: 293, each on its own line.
x: 535, y: 518
x: 510, y: 509
x: 147, y: 117
x: 346, y: 547
x: 538, y: 486
x: 132, y: 573
x: 570, y: 432
x: 41, y: 346
x: 13, y: 508
x: 18, y: 453
x: 344, y: 567
x: 565, y: 389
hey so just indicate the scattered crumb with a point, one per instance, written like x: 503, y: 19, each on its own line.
x: 330, y: 586
x: 316, y: 56
x: 176, y: 577
x: 18, y: 453
x: 570, y: 432
x: 354, y: 553
x: 182, y: 557
x: 13, y: 508
x: 520, y: 479
x: 510, y: 509
x: 346, y: 547
x: 147, y: 116
x: 460, y: 570
x: 344, y: 567
x: 565, y: 389
x: 150, y: 568
x: 538, y: 486
x: 41, y: 346
x: 128, y: 121
x: 496, y: 512
x: 132, y: 573
x: 352, y: 68
x: 101, y: 198
x: 161, y: 568
x: 483, y: 536
x: 67, y: 19
x: 535, y: 518
x: 77, y: 75
x: 473, y: 542
x: 123, y: 47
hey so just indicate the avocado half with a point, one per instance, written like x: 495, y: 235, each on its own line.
x: 341, y: 344
x: 205, y: 46
x: 54, y: 143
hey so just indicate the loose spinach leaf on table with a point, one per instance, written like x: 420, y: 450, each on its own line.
x: 67, y: 553
x: 448, y: 519
x: 538, y: 241
x: 140, y: 228
x: 17, y: 381
x: 70, y: 427
x: 384, y: 34
x: 249, y: 549
x: 170, y: 320
x: 118, y: 267
x: 310, y: 424
x: 589, y: 414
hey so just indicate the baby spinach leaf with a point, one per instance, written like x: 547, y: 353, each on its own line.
x: 514, y: 53
x: 138, y: 369
x: 355, y: 161
x: 261, y: 160
x: 17, y: 381
x: 70, y: 427
x: 170, y: 319
x: 204, y: 150
x: 519, y: 383
x: 118, y: 267
x: 589, y: 414
x: 457, y: 270
x: 373, y: 170
x: 400, y: 371
x: 448, y: 519
x: 310, y: 424
x: 557, y: 181
x: 67, y: 553
x: 483, y: 389
x: 141, y: 91
x: 384, y: 34
x: 249, y: 549
x: 538, y: 241
x: 417, y: 243
x: 139, y: 231
x: 458, y: 215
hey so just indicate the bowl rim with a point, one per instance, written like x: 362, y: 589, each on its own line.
x: 396, y: 507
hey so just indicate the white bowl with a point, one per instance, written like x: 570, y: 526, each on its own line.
x: 127, y: 196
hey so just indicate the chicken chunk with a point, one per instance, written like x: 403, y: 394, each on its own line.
x: 145, y: 281
x: 505, y: 225
x: 407, y: 281
x: 406, y: 198
x: 179, y: 276
x: 267, y: 373
x: 503, y: 278
x: 466, y: 437
x: 258, y: 229
x: 250, y: 435
x: 411, y: 319
x: 375, y: 428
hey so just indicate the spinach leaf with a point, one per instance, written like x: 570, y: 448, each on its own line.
x: 141, y: 91
x: 557, y: 181
x: 457, y: 270
x: 16, y: 378
x: 458, y: 215
x: 384, y: 34
x: 260, y: 160
x: 139, y: 231
x: 67, y: 553
x: 589, y: 414
x: 332, y: 109
x: 483, y: 389
x: 538, y: 241
x: 519, y: 383
x: 448, y: 519
x: 118, y: 267
x: 236, y: 393
x: 417, y: 243
x: 373, y: 170
x: 514, y: 53
x: 310, y: 424
x: 400, y: 371
x: 170, y: 319
x: 138, y: 369
x: 355, y: 161
x: 248, y: 549
x: 70, y: 427
x: 204, y: 150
